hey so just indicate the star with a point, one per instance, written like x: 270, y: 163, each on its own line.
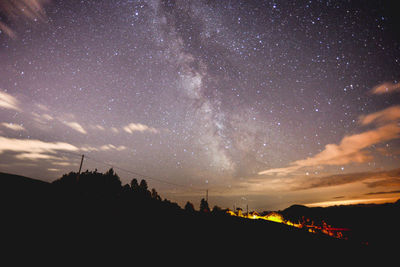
x: 202, y: 92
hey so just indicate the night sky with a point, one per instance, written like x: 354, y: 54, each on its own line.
x: 263, y: 103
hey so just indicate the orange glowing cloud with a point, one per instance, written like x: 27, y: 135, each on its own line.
x: 370, y: 178
x: 386, y: 88
x: 387, y: 115
x: 351, y: 202
x: 350, y: 148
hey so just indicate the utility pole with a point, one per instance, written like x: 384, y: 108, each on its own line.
x: 247, y: 210
x: 80, y: 168
x: 207, y: 195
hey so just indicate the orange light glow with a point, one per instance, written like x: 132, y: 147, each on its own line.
x: 305, y: 224
x: 351, y: 202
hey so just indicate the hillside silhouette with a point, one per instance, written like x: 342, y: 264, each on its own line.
x: 93, y: 211
x: 372, y: 224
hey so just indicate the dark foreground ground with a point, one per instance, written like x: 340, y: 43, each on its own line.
x: 40, y: 222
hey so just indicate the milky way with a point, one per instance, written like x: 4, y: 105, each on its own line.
x: 261, y: 102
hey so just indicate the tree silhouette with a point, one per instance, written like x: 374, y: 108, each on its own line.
x: 143, y: 189
x: 189, y: 207
x: 134, y: 184
x: 154, y: 194
x: 216, y: 209
x: 92, y: 186
x: 204, y: 206
x: 143, y: 185
x: 111, y: 182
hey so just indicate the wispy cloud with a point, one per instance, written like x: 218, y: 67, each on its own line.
x: 386, y: 88
x: 7, y: 30
x: 350, y: 202
x: 33, y: 149
x: 112, y: 147
x: 42, y: 107
x: 380, y: 177
x: 41, y: 118
x: 76, y: 126
x: 25, y: 9
x: 36, y: 156
x: 351, y: 147
x: 97, y: 127
x: 12, y: 126
x: 390, y: 182
x: 8, y: 101
x: 64, y: 163
x: 384, y: 116
x: 281, y: 171
x: 108, y: 147
x: 138, y: 127
x: 383, y: 192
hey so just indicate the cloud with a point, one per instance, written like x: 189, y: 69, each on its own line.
x: 350, y: 202
x: 64, y: 163
x: 393, y: 181
x: 102, y: 148
x: 12, y: 126
x: 7, y: 30
x: 33, y: 149
x: 112, y: 147
x: 97, y: 127
x: 41, y: 118
x: 349, y: 150
x: 42, y: 107
x: 383, y: 192
x: 386, y: 88
x: 138, y: 127
x: 47, y: 117
x: 27, y: 9
x: 32, y: 9
x: 36, y: 156
x: 281, y: 171
x: 76, y: 126
x: 114, y: 130
x: 7, y: 101
x: 387, y: 115
x: 382, y: 177
x: 351, y: 147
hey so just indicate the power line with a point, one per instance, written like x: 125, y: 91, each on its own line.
x: 132, y: 172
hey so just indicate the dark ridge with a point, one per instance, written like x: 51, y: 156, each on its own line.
x: 7, y: 179
x: 94, y: 213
